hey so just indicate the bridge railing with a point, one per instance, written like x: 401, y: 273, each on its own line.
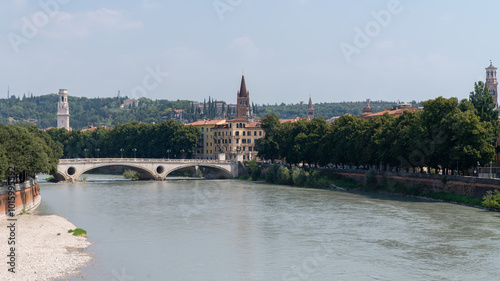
x: 141, y: 160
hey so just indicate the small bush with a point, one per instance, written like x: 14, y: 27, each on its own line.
x: 299, y: 176
x: 131, y: 175
x: 253, y: 169
x: 492, y: 199
x: 271, y: 174
x: 283, y: 175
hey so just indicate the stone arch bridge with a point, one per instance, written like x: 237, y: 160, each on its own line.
x: 153, y: 169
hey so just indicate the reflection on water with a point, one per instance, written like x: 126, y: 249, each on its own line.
x: 237, y: 230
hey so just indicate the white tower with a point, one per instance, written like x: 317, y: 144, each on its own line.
x: 63, y: 110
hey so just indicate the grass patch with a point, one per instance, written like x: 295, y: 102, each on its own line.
x: 24, y: 212
x: 78, y: 232
x: 452, y: 197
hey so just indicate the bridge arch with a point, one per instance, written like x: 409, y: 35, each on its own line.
x: 223, y: 173
x: 72, y: 173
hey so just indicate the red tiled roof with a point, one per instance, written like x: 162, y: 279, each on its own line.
x: 206, y: 122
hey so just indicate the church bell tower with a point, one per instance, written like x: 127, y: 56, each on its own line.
x: 63, y: 110
x: 492, y: 83
x: 243, y: 100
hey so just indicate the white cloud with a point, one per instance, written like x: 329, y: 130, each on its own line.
x: 245, y: 46
x: 64, y: 25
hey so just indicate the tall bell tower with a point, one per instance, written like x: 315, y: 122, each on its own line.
x: 63, y: 110
x: 492, y: 83
x: 243, y: 100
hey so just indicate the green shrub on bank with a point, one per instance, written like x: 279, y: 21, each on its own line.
x: 283, y: 176
x: 271, y: 173
x: 253, y: 169
x: 131, y: 175
x: 492, y: 199
x: 299, y: 176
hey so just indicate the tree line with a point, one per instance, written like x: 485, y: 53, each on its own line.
x: 41, y: 110
x: 26, y: 151
x: 446, y: 135
x: 168, y: 139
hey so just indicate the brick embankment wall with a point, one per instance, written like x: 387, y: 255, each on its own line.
x: 472, y: 186
x: 27, y: 197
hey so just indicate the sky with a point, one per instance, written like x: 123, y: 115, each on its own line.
x: 288, y: 50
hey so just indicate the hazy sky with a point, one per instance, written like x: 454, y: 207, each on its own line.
x: 289, y: 49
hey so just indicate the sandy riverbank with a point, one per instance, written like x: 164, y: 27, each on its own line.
x: 40, y: 253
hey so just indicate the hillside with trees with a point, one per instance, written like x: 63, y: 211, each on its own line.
x: 84, y: 112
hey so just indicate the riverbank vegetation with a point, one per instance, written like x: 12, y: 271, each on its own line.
x: 299, y: 177
x: 131, y: 175
x: 447, y: 137
x: 168, y: 139
x: 27, y: 151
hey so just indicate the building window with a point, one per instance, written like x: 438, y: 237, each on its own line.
x: 243, y: 141
x: 260, y: 133
x: 243, y: 133
x: 244, y: 149
x: 250, y: 148
x: 237, y: 133
x: 229, y: 140
x: 237, y: 140
x: 202, y: 129
x: 255, y: 133
x: 249, y: 141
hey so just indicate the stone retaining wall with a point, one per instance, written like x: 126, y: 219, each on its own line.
x: 27, y: 197
x: 472, y: 186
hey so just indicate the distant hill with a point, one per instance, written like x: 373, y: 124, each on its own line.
x: 325, y: 110
x: 41, y: 110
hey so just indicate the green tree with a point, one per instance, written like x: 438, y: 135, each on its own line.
x: 484, y: 104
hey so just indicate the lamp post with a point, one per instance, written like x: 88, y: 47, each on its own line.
x: 134, y: 150
x: 97, y: 152
x: 121, y: 152
x: 86, y: 150
x: 168, y: 153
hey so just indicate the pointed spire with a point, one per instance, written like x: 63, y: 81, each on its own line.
x: 310, y: 106
x: 243, y: 88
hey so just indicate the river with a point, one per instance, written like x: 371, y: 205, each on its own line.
x: 237, y: 230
